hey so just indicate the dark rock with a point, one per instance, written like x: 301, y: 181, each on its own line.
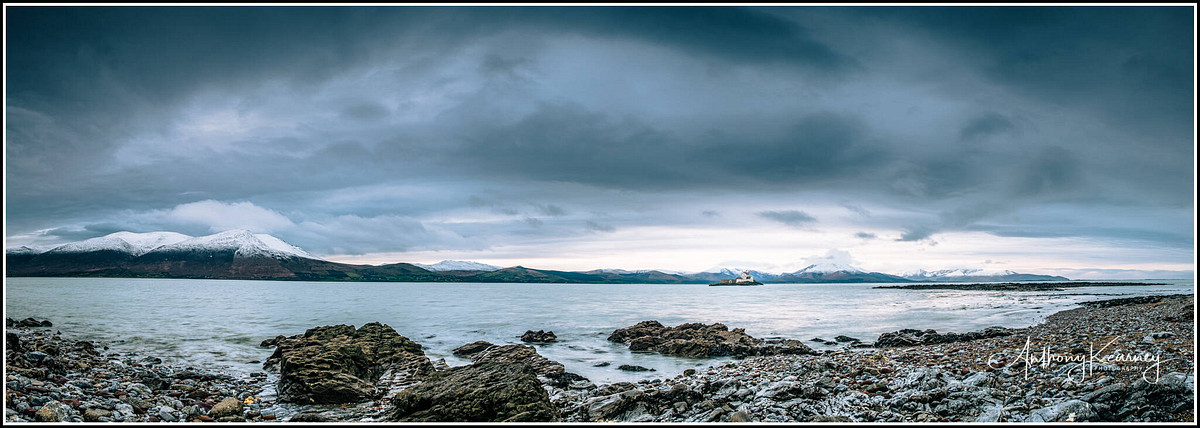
x: 518, y: 354
x: 538, y: 336
x: 12, y: 342
x: 308, y: 417
x: 911, y: 337
x: 700, y: 340
x: 471, y: 348
x: 30, y: 322
x: 602, y: 364
x: 564, y: 379
x: 481, y: 392
x: 740, y: 416
x: 339, y: 364
x: 1142, y: 400
x: 841, y: 338
x: 632, y: 368
x: 271, y: 343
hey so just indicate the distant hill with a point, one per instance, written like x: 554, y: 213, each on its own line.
x: 240, y: 254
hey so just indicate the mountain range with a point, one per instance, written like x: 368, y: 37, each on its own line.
x: 241, y: 254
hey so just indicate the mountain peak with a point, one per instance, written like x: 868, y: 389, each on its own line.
x: 829, y: 267
x: 243, y: 242
x: 448, y: 265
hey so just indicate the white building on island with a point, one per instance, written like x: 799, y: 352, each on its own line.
x: 744, y: 278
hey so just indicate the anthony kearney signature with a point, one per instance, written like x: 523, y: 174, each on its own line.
x: 1085, y: 365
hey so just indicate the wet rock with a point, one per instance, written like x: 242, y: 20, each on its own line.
x: 12, y: 342
x: 841, y: 338
x: 341, y: 364
x: 28, y: 323
x: 471, y: 348
x: 481, y: 392
x: 740, y: 416
x: 53, y: 411
x: 538, y: 336
x: 633, y: 368
x: 227, y: 407
x: 565, y: 379
x: 93, y: 414
x: 524, y: 354
x: 309, y: 417
x: 1068, y: 411
x: 911, y: 337
x: 698, y: 340
x: 271, y: 343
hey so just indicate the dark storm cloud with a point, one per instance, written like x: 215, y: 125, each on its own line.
x: 984, y: 126
x: 1132, y: 65
x: 792, y: 218
x: 566, y: 142
x: 373, y: 116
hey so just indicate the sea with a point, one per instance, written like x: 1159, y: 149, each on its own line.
x: 218, y: 324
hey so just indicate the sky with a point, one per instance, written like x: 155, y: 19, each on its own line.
x: 1054, y: 140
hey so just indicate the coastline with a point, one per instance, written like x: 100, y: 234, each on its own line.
x: 940, y: 382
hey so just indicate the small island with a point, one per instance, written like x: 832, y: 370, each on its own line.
x: 743, y: 279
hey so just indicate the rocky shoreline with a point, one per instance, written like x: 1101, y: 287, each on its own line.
x: 1015, y: 286
x: 1115, y: 360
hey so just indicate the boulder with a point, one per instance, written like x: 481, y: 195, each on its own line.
x: 30, y: 322
x: 912, y: 337
x: 471, y: 348
x: 481, y: 392
x: 341, y: 364
x: 698, y: 340
x: 271, y: 343
x: 524, y: 354
x: 538, y: 336
x: 227, y: 407
x: 53, y: 411
x: 93, y: 414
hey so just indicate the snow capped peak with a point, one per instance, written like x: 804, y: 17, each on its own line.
x: 830, y: 267
x: 243, y: 242
x: 25, y: 249
x: 725, y: 270
x: 127, y: 242
x: 145, y: 242
x: 947, y: 273
x: 446, y: 265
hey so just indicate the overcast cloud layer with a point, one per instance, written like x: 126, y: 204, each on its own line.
x: 1043, y: 139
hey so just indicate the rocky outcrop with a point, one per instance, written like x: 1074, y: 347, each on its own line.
x: 538, y: 336
x: 523, y: 354
x: 27, y: 323
x: 698, y: 340
x: 912, y: 337
x: 471, y: 348
x: 481, y: 392
x: 341, y: 364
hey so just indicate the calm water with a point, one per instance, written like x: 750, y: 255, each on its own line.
x: 219, y: 323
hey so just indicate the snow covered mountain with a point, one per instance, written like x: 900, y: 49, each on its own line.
x: 243, y: 243
x: 126, y: 242
x: 829, y: 267
x: 457, y: 265
x: 716, y: 273
x: 975, y: 275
